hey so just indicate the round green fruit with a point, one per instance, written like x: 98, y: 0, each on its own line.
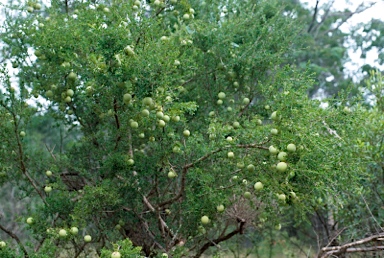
x: 2, y: 244
x: 282, y: 197
x: 251, y: 167
x: 282, y: 156
x: 30, y: 220
x: 70, y: 92
x: 171, y: 174
x: 229, y: 139
x: 220, y: 208
x: 145, y: 112
x: 247, y: 195
x: 130, y: 162
x: 48, y: 173
x: 49, y: 94
x: 273, y: 150
x: 116, y: 254
x: 236, y: 125
x: 72, y: 76
x: 176, y: 118
x: 281, y: 166
x: 166, y: 118
x: 246, y: 101
x: 74, y: 230
x: 258, y: 186
x: 68, y: 99
x: 161, y: 123
x: 186, y: 16
x: 127, y: 98
x: 87, y: 238
x: 291, y: 147
x: 219, y: 102
x: 274, y: 131
x: 205, y: 219
x: 221, y: 95
x: 186, y: 133
x: 159, y: 114
x: 134, y: 124
x: 274, y: 116
x: 231, y: 155
x: 22, y: 134
x: 147, y: 101
x: 202, y: 230
x: 48, y: 189
x: 62, y: 233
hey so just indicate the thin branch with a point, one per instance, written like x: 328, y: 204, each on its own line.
x: 347, y: 248
x: 205, y: 157
x: 361, y: 8
x: 313, y: 17
x: 214, y: 242
x: 17, y: 239
x: 370, y: 212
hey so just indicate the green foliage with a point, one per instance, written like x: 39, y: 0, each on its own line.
x: 121, y: 83
x: 125, y: 248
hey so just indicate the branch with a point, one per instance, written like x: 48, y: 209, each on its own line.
x: 214, y: 242
x: 348, y: 248
x: 115, y: 106
x: 206, y: 156
x: 12, y: 235
x: 313, y: 17
x: 361, y: 8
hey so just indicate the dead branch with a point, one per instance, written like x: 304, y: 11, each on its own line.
x: 350, y: 247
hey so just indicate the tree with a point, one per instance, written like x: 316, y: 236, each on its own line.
x: 177, y: 108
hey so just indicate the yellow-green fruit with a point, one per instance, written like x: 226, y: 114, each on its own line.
x: 127, y: 98
x: 22, y: 134
x: 186, y: 133
x: 282, y: 156
x: 74, y: 230
x: 72, y: 76
x: 220, y: 208
x: 291, y: 147
x: 205, y: 219
x: 273, y: 150
x: 247, y: 195
x: 87, y: 238
x: 62, y: 233
x: 70, y: 92
x: 281, y: 166
x: 30, y: 220
x: 258, y: 186
x: 221, y: 95
x: 236, y: 125
x: 274, y: 131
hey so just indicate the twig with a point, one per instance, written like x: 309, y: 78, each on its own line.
x: 214, y: 242
x: 17, y: 239
x: 313, y: 17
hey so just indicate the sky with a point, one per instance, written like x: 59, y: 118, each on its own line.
x: 376, y: 12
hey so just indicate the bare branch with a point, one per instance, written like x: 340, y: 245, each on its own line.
x: 17, y: 239
x: 350, y: 247
x: 214, y: 242
x: 313, y: 17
